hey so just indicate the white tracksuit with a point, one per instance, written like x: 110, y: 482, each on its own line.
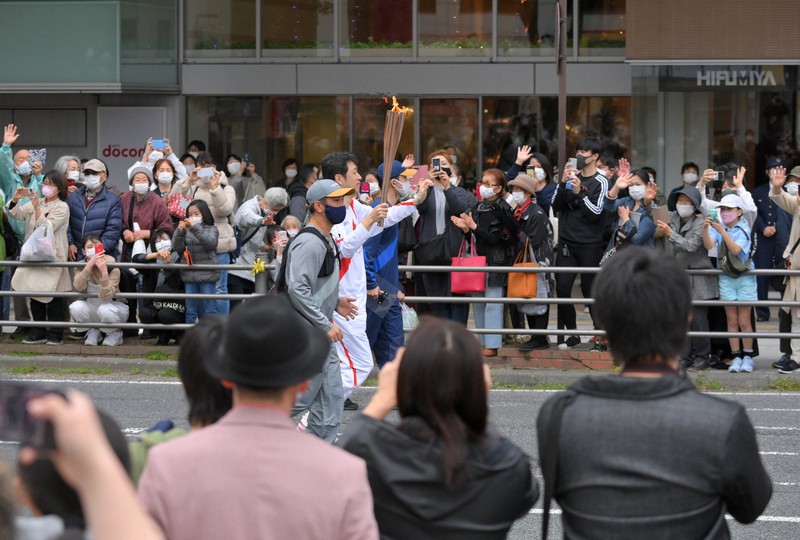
x: 355, y: 355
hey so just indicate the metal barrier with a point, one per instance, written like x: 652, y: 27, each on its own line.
x: 261, y: 288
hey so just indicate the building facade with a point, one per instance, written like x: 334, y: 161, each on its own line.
x: 278, y: 79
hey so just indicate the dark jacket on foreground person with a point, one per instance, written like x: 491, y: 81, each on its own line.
x: 652, y: 458
x: 411, y: 500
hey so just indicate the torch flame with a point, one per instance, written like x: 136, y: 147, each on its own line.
x: 396, y: 108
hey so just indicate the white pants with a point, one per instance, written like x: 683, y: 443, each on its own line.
x: 95, y: 310
x: 355, y: 355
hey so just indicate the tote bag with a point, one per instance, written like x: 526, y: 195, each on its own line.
x: 468, y: 282
x: 523, y: 285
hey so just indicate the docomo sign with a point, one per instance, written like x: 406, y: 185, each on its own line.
x: 114, y: 150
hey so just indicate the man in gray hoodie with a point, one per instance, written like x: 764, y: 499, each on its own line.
x: 312, y: 276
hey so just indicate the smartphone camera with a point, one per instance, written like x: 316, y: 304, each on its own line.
x: 158, y: 144
x: 206, y: 172
x: 437, y: 164
x: 16, y: 423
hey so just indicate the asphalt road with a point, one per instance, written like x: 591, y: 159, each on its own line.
x: 138, y: 403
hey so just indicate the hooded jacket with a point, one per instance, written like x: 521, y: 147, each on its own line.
x: 411, y: 500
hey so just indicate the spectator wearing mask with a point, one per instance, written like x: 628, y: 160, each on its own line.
x: 690, y: 175
x: 579, y: 202
x: 682, y: 238
x: 733, y: 229
x: 457, y: 181
x: 443, y: 472
x: 643, y: 454
x: 70, y: 168
x: 36, y: 212
x: 198, y: 237
x: 291, y: 225
x: 660, y: 200
x: 203, y: 485
x: 242, y: 176
x: 94, y: 210
x: 154, y: 155
x: 195, y: 148
x: 733, y: 184
x: 535, y: 232
x: 772, y: 228
x: 221, y: 200
x: 165, y: 309
x: 275, y: 241
x: 494, y: 229
x: 289, y: 168
x: 297, y: 192
x: 188, y: 162
x: 633, y: 225
x: 96, y: 279
x: 164, y: 180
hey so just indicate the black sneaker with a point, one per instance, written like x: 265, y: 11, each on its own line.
x: 533, y: 344
x: 701, y: 363
x: 791, y: 368
x: 782, y: 362
x: 34, y: 340
x: 77, y: 336
x: 685, y: 363
x: 19, y: 333
x: 571, y: 342
x: 350, y: 405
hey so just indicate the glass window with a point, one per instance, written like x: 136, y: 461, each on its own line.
x: 370, y: 117
x: 220, y: 29
x: 149, y: 41
x: 601, y: 26
x: 270, y: 129
x: 527, y: 27
x: 376, y: 28
x: 297, y: 28
x: 455, y: 27
x: 450, y: 122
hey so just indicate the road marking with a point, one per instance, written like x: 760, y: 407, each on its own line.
x: 774, y: 410
x: 778, y: 519
x: 778, y: 427
x: 778, y: 453
x: 787, y: 483
x: 133, y: 430
x: 94, y: 381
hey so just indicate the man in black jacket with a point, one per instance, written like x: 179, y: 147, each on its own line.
x: 579, y: 201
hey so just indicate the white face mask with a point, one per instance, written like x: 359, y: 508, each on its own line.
x: 791, y: 188
x: 291, y: 173
x: 690, y: 177
x: 685, y: 210
x: 404, y: 189
x: 25, y: 168
x: 374, y: 188
x: 89, y: 252
x: 195, y: 219
x: 73, y: 175
x: 291, y: 232
x: 194, y: 154
x: 636, y: 192
x: 453, y: 158
x: 454, y: 181
x: 519, y: 197
x: 487, y: 192
x: 164, y: 178
x: 234, y: 167
x: 163, y: 245
x: 91, y: 181
x: 539, y: 172
x: 141, y: 189
x: 603, y: 172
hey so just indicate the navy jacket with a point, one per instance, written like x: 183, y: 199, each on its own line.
x: 102, y: 216
x: 770, y: 213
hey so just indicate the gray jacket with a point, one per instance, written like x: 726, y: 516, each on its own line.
x: 248, y: 217
x: 686, y: 245
x: 652, y: 458
x: 314, y: 297
x: 201, y: 242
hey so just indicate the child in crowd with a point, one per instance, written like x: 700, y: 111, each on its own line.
x: 735, y: 232
x: 96, y: 279
x: 197, y: 237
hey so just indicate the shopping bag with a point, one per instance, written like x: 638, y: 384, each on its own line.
x: 177, y: 205
x: 468, y: 282
x: 523, y: 285
x: 410, y: 319
x: 39, y: 246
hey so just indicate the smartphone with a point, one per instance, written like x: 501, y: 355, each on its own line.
x: 158, y: 144
x: 283, y: 234
x: 713, y: 213
x: 572, y: 163
x: 247, y: 158
x: 16, y: 423
x: 99, y: 249
x: 206, y: 172
x: 720, y: 176
x: 530, y: 171
x: 437, y: 164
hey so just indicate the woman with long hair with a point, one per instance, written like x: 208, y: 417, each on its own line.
x: 442, y: 472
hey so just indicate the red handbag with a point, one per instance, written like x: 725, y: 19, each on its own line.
x: 468, y: 282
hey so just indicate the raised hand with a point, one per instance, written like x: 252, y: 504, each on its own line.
x: 624, y: 167
x: 408, y: 161
x: 778, y: 178
x: 524, y: 153
x: 10, y: 135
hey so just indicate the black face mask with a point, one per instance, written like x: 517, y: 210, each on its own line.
x: 581, y: 161
x: 448, y: 171
x: 729, y: 192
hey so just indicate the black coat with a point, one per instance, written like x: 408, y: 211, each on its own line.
x: 495, y: 236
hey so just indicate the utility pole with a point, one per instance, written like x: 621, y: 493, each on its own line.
x: 561, y: 71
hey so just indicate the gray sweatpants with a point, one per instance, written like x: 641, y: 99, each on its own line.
x: 324, y: 400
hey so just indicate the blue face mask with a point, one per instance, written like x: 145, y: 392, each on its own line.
x: 335, y: 214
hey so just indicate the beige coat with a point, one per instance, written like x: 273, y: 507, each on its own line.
x: 108, y: 287
x: 33, y: 278
x: 221, y: 201
x: 790, y: 204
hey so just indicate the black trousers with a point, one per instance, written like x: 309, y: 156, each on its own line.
x: 535, y: 322
x: 50, y: 311
x: 239, y: 285
x: 149, y: 315
x: 577, y: 256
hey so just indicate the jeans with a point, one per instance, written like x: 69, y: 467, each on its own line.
x: 489, y: 316
x: 197, y: 309
x: 223, y: 307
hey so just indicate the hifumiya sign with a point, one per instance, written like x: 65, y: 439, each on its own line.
x: 121, y: 135
x: 736, y: 78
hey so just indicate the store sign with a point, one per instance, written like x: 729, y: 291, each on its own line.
x: 736, y: 78
x: 724, y: 78
x: 122, y: 133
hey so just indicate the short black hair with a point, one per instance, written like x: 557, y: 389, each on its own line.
x: 643, y: 333
x: 336, y: 163
x: 287, y: 162
x: 161, y: 230
x: 305, y: 172
x: 608, y: 160
x: 689, y: 165
x: 208, y: 399
x: 650, y: 170
x: 205, y: 211
x: 642, y: 174
x: 591, y: 144
x: 204, y: 158
x: 95, y: 238
x: 200, y: 145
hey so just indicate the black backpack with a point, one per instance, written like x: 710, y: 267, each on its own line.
x: 328, y: 266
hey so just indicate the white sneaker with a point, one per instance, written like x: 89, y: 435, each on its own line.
x: 113, y: 338
x: 303, y: 424
x: 92, y: 337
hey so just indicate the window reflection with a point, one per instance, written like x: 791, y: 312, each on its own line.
x: 527, y: 27
x: 450, y: 122
x: 297, y: 28
x: 376, y: 28
x: 602, y: 27
x: 220, y: 29
x: 460, y: 27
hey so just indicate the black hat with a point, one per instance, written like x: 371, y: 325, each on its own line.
x: 269, y: 345
x: 690, y: 191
